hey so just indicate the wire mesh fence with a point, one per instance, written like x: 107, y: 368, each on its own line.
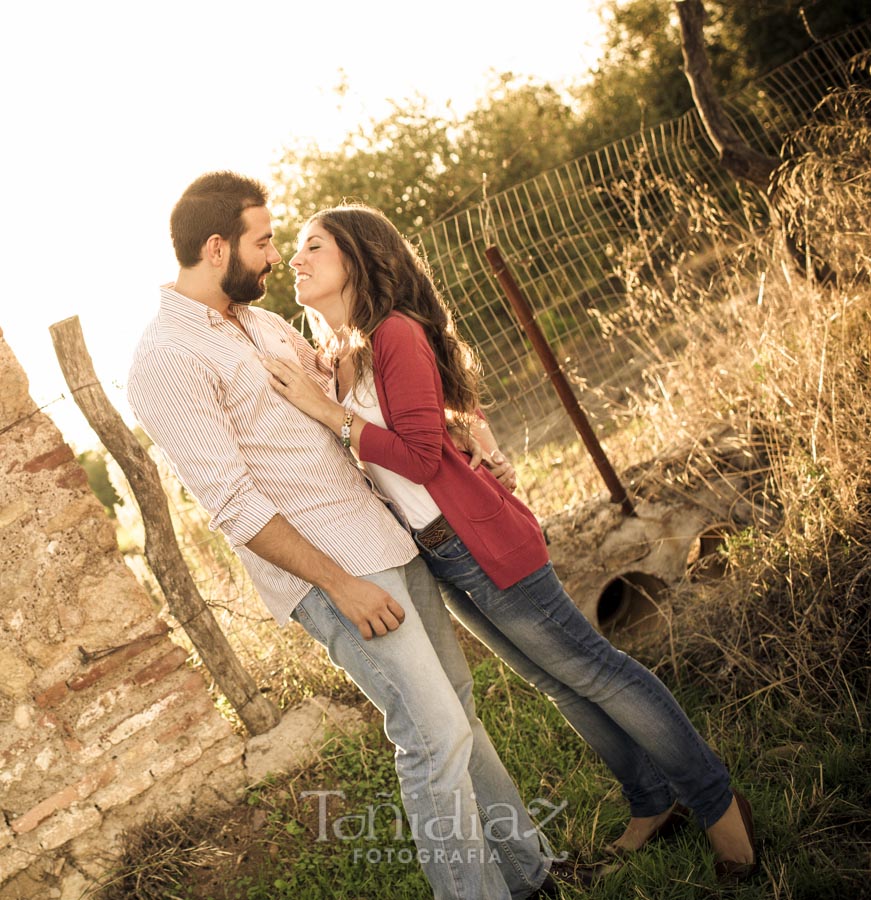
x: 579, y: 236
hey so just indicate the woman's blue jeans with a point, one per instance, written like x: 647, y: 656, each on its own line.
x: 620, y: 708
x: 474, y: 837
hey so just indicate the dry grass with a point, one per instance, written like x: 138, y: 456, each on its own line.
x: 784, y: 364
x: 161, y: 858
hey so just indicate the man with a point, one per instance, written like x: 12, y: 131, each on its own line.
x: 319, y: 546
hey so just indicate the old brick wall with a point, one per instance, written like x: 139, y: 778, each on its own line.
x: 90, y: 742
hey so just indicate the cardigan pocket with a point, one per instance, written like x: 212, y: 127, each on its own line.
x: 503, y: 530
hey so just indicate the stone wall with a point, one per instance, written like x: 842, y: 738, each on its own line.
x: 102, y: 723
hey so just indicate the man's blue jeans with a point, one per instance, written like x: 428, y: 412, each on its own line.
x: 474, y: 837
x: 623, y: 711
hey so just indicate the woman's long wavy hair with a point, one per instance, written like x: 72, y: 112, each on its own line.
x: 386, y: 273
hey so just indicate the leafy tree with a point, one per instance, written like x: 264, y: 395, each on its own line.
x: 394, y: 165
x: 639, y: 79
x: 420, y: 166
x: 518, y: 130
x: 766, y: 33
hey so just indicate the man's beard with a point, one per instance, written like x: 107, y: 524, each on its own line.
x: 242, y: 285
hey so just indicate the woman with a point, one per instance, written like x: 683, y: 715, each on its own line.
x: 398, y: 365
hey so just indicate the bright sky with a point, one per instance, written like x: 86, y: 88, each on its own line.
x: 111, y: 109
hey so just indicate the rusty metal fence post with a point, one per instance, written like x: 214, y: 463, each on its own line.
x: 553, y: 371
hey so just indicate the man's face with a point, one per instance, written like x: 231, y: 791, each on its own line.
x: 252, y: 259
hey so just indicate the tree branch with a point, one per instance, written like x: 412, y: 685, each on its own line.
x: 737, y: 157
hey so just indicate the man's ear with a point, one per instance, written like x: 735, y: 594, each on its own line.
x: 215, y: 250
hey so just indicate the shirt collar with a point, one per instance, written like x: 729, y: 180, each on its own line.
x: 191, y: 310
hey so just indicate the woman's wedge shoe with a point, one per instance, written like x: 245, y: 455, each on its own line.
x: 677, y: 818
x: 728, y: 871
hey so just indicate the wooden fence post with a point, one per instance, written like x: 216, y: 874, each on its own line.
x: 186, y: 604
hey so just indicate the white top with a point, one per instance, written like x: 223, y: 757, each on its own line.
x: 413, y: 500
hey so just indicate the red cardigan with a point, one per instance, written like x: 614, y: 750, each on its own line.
x: 501, y: 533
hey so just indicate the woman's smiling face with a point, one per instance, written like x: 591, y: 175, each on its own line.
x: 321, y: 274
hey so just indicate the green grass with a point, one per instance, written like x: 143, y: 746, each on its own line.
x: 805, y: 773
x: 804, y: 769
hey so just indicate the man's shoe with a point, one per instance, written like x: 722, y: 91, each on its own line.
x: 565, y: 873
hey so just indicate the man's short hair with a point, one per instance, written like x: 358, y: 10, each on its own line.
x: 213, y: 204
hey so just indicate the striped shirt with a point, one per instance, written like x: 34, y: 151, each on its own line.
x: 199, y: 390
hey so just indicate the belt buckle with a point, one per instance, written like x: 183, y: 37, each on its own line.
x: 434, y: 534
x: 439, y: 536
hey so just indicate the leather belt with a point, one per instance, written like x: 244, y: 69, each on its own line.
x: 437, y: 532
